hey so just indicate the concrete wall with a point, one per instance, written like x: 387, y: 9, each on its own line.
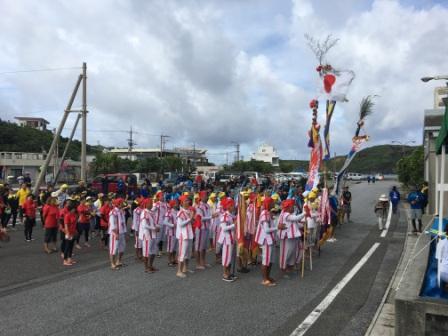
x: 415, y: 315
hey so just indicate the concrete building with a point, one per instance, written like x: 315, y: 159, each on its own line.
x: 37, y: 123
x: 266, y: 153
x: 15, y: 164
x: 433, y: 119
x: 196, y: 156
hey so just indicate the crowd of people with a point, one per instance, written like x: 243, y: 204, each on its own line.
x: 239, y: 226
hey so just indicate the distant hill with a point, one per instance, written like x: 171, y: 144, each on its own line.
x: 375, y: 159
x: 15, y: 138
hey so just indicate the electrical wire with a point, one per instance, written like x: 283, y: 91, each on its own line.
x: 39, y: 70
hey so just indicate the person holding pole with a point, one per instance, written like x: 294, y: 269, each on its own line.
x: 266, y: 239
x: 184, y: 234
x: 227, y: 238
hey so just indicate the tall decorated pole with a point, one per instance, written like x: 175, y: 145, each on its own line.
x: 366, y: 109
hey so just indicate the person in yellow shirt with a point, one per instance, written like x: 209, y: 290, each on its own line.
x: 22, y: 194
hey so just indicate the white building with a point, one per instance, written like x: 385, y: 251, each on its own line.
x: 266, y: 153
x: 38, y: 123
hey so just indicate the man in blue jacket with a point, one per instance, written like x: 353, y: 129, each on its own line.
x: 416, y: 200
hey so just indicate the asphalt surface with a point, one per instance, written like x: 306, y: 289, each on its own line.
x: 40, y: 297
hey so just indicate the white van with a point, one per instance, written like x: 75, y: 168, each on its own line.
x: 355, y: 177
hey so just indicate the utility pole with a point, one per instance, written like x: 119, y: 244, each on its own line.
x: 57, y: 135
x: 84, y: 124
x: 163, y: 138
x: 67, y: 145
x: 131, y: 144
x: 237, y: 151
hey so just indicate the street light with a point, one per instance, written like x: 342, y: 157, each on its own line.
x: 428, y: 78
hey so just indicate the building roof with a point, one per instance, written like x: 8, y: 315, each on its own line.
x: 32, y: 119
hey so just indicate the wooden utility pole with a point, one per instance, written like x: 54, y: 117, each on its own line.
x: 51, y: 151
x: 84, y: 124
x: 67, y: 145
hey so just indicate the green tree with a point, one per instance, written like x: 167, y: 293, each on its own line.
x: 411, y: 168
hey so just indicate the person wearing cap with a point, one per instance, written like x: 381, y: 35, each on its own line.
x: 203, y: 219
x: 227, y: 237
x: 136, y: 219
x: 184, y: 235
x: 22, y: 195
x: 148, y: 235
x: 85, y: 213
x: 346, y: 201
x: 117, y: 233
x: 50, y: 214
x: 381, y: 210
x: 170, y: 231
x: 265, y: 238
x: 289, y: 234
x: 159, y: 210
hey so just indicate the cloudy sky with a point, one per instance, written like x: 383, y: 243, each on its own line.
x: 216, y: 72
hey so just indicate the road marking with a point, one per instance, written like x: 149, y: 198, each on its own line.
x: 315, y: 314
x: 389, y: 216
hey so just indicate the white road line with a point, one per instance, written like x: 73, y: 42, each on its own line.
x: 389, y: 216
x: 315, y: 314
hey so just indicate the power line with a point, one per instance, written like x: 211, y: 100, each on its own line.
x: 39, y: 70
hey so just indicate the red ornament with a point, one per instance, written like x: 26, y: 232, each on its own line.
x: 329, y: 81
x: 314, y: 104
x: 319, y: 68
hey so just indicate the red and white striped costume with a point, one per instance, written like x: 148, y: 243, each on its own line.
x: 289, y: 238
x: 117, y: 231
x: 170, y: 230
x: 184, y: 233
x: 265, y: 237
x: 220, y: 211
x: 148, y: 233
x: 136, y: 226
x: 201, y: 234
x: 159, y: 209
x: 226, y: 237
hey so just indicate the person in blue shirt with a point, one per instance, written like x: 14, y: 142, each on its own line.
x: 416, y: 200
x: 394, y: 197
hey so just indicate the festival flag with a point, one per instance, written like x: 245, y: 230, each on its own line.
x: 316, y: 149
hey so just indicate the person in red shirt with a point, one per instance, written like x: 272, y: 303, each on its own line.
x: 70, y: 232
x: 29, y: 214
x: 85, y: 213
x: 50, y: 215
x: 104, y: 221
x: 62, y: 212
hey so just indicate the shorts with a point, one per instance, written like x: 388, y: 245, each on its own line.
x: 226, y: 259
x: 347, y: 208
x: 288, y: 252
x: 138, y: 242
x: 117, y: 245
x: 266, y: 254
x: 51, y: 235
x: 201, y: 238
x: 171, y: 244
x: 184, y: 250
x: 415, y: 214
x: 149, y: 247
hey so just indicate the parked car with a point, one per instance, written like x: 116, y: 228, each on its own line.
x: 110, y: 182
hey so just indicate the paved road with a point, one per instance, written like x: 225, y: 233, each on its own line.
x: 39, y: 297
